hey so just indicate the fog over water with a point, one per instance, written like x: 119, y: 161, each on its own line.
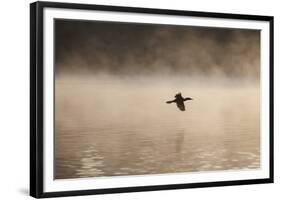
x: 130, y: 49
x: 112, y: 82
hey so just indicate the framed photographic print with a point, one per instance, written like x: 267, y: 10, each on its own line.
x: 126, y: 99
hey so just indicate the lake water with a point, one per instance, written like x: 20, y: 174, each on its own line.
x: 113, y: 127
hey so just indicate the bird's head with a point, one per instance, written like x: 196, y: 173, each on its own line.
x: 178, y: 95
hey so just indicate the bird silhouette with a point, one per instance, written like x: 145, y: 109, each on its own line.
x: 179, y: 100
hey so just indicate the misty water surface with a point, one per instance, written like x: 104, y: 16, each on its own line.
x: 120, y: 126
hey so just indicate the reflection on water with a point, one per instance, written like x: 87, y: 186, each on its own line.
x: 107, y: 129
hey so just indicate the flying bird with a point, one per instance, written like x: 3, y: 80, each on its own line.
x: 179, y: 100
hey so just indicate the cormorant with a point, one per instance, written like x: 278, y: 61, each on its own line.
x: 179, y: 100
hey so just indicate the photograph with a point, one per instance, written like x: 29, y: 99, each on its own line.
x: 140, y: 99
x: 131, y: 99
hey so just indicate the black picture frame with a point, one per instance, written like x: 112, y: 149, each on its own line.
x: 37, y: 98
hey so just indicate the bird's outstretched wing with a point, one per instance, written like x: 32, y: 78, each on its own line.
x: 170, y: 101
x: 187, y: 98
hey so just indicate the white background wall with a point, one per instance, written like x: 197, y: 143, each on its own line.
x: 14, y: 99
